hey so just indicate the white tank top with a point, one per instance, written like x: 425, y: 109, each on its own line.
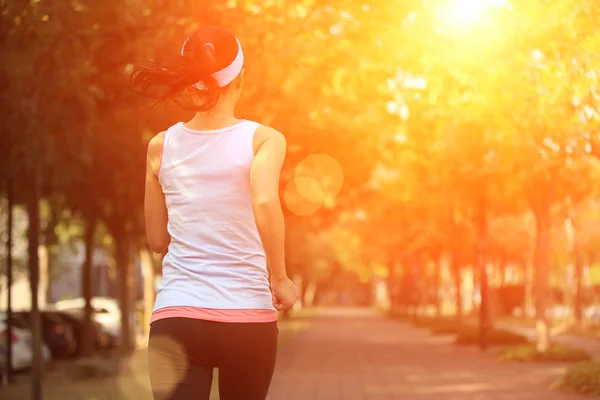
x: 216, y: 258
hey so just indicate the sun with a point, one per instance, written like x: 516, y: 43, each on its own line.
x: 471, y: 10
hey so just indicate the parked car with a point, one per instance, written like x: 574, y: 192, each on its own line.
x: 558, y: 311
x: 22, y: 351
x: 74, y: 318
x: 56, y: 332
x: 593, y: 313
x: 106, y: 312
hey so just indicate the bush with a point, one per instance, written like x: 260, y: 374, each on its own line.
x: 449, y: 326
x: 443, y: 325
x: 425, y: 322
x: 440, y: 326
x: 469, y: 335
x: 582, y: 378
x: 556, y: 353
x: 437, y: 325
x: 402, y: 315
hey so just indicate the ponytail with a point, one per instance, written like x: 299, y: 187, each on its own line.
x: 210, y: 59
x: 173, y: 78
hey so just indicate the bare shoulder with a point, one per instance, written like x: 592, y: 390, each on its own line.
x: 264, y: 133
x: 154, y: 156
x: 156, y: 144
x: 267, y: 132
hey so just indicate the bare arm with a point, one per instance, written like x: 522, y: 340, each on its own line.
x: 155, y: 208
x: 269, y: 148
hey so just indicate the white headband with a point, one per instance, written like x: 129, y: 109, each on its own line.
x: 225, y: 76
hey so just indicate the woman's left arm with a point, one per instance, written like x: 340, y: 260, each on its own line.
x: 155, y: 208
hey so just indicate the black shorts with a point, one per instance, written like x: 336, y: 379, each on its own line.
x: 183, y: 352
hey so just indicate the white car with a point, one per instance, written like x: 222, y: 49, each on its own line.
x: 106, y: 312
x: 22, y: 352
x: 593, y: 312
x: 558, y: 311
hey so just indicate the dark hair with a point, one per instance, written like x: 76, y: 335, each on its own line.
x: 207, y: 51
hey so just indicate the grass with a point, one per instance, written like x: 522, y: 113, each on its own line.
x: 444, y: 325
x: 449, y: 326
x: 467, y: 332
x: 520, y: 322
x: 470, y: 335
x: 426, y: 322
x: 556, y: 353
x: 590, y: 331
x: 437, y: 325
x: 400, y: 315
x: 582, y: 378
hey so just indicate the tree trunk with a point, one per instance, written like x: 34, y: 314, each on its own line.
x: 390, y: 281
x: 578, y: 303
x: 502, y: 266
x: 414, y: 287
x: 309, y: 293
x: 454, y: 265
x: 49, y: 271
x: 484, y: 308
x: 542, y: 245
x: 33, y: 211
x: 50, y: 240
x: 86, y: 287
x: 529, y: 268
x: 9, y: 280
x: 125, y: 286
x: 149, y: 291
x: 113, y: 290
x: 437, y: 283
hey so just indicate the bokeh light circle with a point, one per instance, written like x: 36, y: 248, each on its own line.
x: 303, y: 196
x: 325, y: 169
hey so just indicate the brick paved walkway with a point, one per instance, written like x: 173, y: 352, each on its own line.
x: 347, y: 355
x: 359, y: 355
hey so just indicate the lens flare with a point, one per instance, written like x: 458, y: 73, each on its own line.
x: 325, y: 169
x: 303, y: 196
x: 471, y: 10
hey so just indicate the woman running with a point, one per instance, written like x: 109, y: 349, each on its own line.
x: 212, y: 204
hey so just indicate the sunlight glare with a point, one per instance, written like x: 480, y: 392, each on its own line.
x: 470, y: 10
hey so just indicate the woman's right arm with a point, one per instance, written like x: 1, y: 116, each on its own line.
x: 269, y: 149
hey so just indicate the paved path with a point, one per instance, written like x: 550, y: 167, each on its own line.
x: 345, y: 355
x: 359, y: 355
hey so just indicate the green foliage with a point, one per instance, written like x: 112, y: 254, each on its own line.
x: 582, y: 378
x: 430, y: 120
x: 556, y: 353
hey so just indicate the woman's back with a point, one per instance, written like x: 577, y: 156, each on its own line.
x: 212, y: 203
x: 215, y: 259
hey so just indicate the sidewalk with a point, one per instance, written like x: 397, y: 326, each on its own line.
x: 360, y: 355
x: 346, y: 354
x: 590, y: 345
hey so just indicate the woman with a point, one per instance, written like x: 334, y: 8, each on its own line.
x: 212, y: 204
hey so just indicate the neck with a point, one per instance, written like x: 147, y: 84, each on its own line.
x: 220, y: 116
